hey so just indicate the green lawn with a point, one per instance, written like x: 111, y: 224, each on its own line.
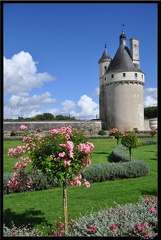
x: 42, y: 208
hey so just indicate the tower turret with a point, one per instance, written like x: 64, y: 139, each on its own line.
x: 104, y: 62
x: 122, y: 37
x: 134, y: 51
x: 103, y: 66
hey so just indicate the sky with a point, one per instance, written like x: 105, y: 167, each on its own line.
x: 51, y: 52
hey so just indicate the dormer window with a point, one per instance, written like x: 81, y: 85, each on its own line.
x: 124, y: 74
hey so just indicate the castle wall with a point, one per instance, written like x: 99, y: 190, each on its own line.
x: 46, y: 126
x: 96, y: 125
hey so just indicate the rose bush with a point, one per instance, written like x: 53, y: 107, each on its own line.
x: 62, y: 154
x: 115, y: 134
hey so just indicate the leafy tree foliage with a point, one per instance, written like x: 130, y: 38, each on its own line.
x: 150, y: 112
x: 42, y: 117
x: 130, y: 140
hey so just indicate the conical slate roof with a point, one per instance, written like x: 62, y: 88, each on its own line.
x: 122, y: 61
x: 105, y: 56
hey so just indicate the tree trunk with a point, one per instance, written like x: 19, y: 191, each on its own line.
x: 65, y: 207
x: 117, y: 142
x: 130, y: 154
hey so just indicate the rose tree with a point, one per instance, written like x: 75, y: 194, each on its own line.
x: 115, y: 133
x: 62, y: 154
x: 130, y: 140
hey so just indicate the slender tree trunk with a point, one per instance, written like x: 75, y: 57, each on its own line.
x: 65, y: 207
x: 117, y: 142
x: 130, y: 154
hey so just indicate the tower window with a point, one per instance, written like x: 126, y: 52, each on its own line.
x: 136, y: 75
x: 112, y: 75
x: 142, y: 76
x: 124, y: 74
x: 105, y: 67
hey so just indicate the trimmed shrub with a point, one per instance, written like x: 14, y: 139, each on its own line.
x: 101, y: 132
x: 149, y: 142
x: 139, y: 220
x: 119, y: 155
x: 14, y: 231
x: 114, y: 171
x: 41, y: 182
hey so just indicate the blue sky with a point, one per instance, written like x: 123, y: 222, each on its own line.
x: 51, y: 53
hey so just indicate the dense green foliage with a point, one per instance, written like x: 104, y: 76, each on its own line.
x: 42, y: 117
x: 102, y: 132
x: 130, y: 140
x: 150, y: 112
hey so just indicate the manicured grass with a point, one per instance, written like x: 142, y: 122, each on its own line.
x: 42, y: 208
x: 100, y: 153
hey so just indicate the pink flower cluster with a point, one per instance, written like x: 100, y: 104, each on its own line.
x: 15, y: 152
x: 92, y: 229
x: 18, y: 180
x: 23, y: 128
x: 113, y: 226
x: 76, y: 181
x: 39, y: 135
x: 69, y: 146
x: 155, y: 199
x: 22, y: 163
x: 29, y: 144
x: 66, y: 131
x: 85, y: 147
x: 143, y: 229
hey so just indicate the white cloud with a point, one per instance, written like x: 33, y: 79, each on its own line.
x: 68, y: 106
x: 26, y: 106
x: 88, y: 109
x: 150, y: 97
x: 84, y: 109
x: 20, y: 74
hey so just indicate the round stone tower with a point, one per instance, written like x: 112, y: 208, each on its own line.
x: 121, y: 88
x: 103, y: 66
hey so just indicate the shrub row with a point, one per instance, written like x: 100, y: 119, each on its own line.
x: 119, y: 155
x: 114, y: 171
x: 149, y: 142
x: 139, y: 220
x: 94, y: 173
x: 22, y: 231
x: 41, y: 182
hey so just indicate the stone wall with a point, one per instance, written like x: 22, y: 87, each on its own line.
x: 95, y: 125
